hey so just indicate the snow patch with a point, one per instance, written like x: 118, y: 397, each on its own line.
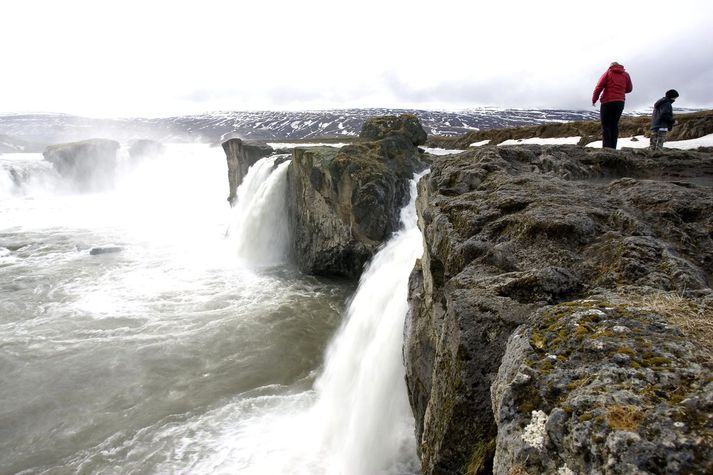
x: 283, y: 145
x: 441, y: 151
x: 640, y: 141
x: 541, y: 141
x: 480, y: 144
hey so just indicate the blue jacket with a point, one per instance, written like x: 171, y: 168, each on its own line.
x: 662, y: 116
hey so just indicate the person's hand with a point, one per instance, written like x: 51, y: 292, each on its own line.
x: 594, y: 103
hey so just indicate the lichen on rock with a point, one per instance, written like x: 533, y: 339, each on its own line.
x: 617, y: 401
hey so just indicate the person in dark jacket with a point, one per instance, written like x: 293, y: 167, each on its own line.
x: 662, y: 119
x: 612, y: 87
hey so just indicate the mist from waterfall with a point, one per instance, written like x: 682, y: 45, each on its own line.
x: 365, y: 421
x: 356, y: 419
x: 23, y: 174
x: 190, y: 351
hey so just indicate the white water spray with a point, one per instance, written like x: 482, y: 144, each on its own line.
x: 259, y: 228
x: 26, y: 174
x: 201, y: 365
x: 357, y: 421
x: 366, y: 423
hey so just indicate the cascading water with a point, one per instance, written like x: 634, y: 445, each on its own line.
x: 365, y: 421
x: 356, y: 420
x: 259, y: 228
x: 133, y: 362
x: 25, y: 174
x: 172, y: 356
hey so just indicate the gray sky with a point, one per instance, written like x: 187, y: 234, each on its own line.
x: 157, y: 58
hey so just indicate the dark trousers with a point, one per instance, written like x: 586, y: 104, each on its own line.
x: 610, y: 114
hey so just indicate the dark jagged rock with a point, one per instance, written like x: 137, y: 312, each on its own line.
x: 406, y: 125
x: 95, y: 251
x: 143, y: 148
x: 89, y: 165
x: 280, y: 159
x: 241, y: 155
x: 513, y: 234
x: 688, y: 126
x: 344, y: 203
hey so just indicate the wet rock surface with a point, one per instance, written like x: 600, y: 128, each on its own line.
x: 89, y: 165
x: 96, y: 251
x: 517, y: 241
x: 241, y: 155
x: 145, y: 148
x: 345, y: 202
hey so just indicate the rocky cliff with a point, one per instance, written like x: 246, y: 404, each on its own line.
x: 89, y: 165
x: 241, y: 155
x: 145, y: 148
x: 343, y: 203
x: 560, y: 316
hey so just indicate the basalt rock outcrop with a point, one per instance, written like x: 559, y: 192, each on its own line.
x: 145, y: 148
x: 688, y: 126
x: 405, y: 125
x: 89, y: 165
x: 241, y: 155
x: 343, y: 203
x: 558, y: 316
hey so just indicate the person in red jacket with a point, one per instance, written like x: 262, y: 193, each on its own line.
x: 612, y: 86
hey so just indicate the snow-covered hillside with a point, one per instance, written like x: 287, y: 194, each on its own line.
x: 43, y: 129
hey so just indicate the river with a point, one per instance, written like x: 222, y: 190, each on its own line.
x: 196, y: 347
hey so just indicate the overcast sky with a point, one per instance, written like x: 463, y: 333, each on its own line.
x: 158, y: 58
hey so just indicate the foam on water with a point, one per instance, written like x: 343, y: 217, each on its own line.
x: 356, y: 420
x: 181, y: 353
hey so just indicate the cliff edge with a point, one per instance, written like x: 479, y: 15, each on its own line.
x: 560, y: 316
x: 241, y: 155
x: 344, y: 203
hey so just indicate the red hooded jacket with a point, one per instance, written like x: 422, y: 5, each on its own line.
x: 615, y: 83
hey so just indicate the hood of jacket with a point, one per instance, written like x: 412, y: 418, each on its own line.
x: 661, y: 101
x: 617, y: 68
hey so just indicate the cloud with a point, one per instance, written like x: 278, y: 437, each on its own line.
x: 680, y: 65
x: 314, y: 54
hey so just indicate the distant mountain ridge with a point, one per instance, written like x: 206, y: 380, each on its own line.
x: 35, y: 131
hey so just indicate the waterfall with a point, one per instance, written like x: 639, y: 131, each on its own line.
x: 367, y: 426
x: 259, y: 229
x: 26, y: 174
x: 357, y: 419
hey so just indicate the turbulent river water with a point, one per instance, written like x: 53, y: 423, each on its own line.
x: 197, y: 348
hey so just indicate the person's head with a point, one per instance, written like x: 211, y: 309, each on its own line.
x: 614, y: 63
x: 672, y: 94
